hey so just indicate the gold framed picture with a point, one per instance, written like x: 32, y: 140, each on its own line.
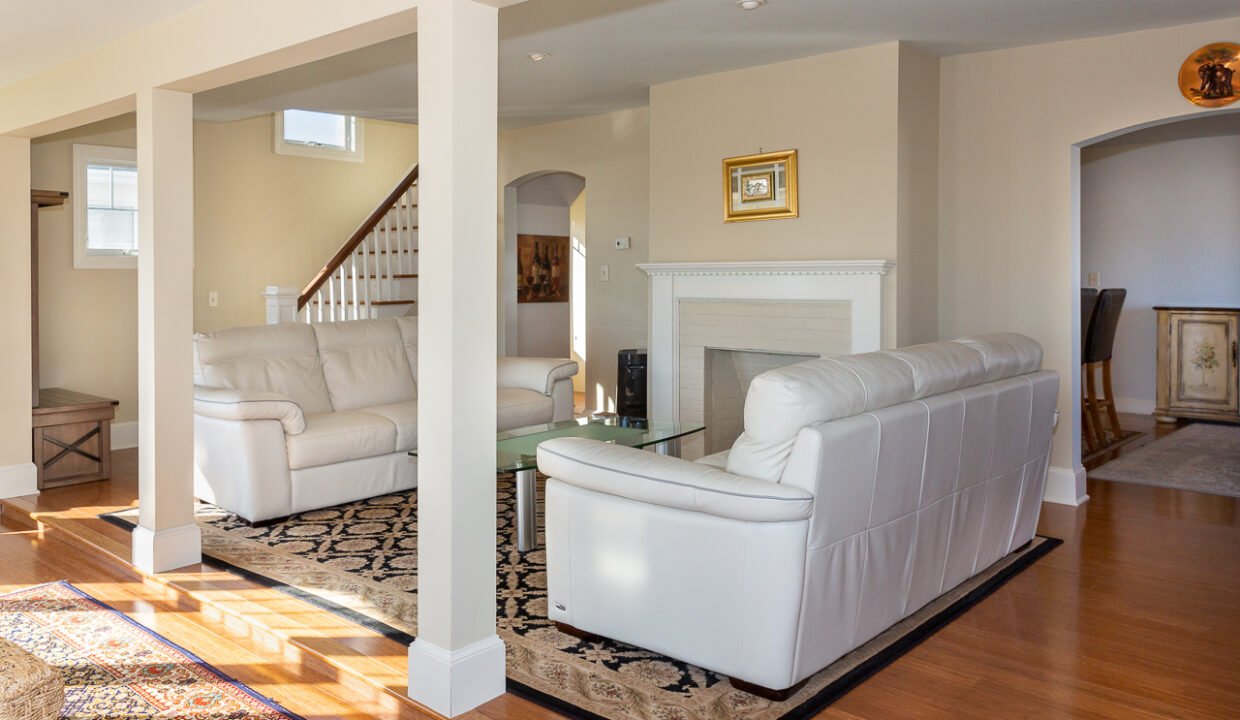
x: 1206, y: 77
x: 760, y: 187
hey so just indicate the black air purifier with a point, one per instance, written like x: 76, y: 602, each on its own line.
x: 631, y: 383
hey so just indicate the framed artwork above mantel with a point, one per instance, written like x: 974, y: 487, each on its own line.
x: 760, y: 187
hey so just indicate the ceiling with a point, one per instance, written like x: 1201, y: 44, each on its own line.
x: 37, y: 36
x: 605, y: 53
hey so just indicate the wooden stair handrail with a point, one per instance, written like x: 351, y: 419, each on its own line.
x: 357, y: 237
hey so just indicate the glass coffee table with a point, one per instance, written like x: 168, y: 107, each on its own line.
x: 516, y: 452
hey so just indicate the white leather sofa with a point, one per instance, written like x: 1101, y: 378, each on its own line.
x: 862, y: 488
x: 296, y: 417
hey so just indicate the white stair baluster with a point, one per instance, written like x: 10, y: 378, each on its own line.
x: 318, y: 301
x: 387, y: 241
x: 366, y: 276
x: 400, y: 244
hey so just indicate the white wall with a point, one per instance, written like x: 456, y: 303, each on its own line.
x: 543, y: 329
x: 1010, y: 125
x: 1162, y: 220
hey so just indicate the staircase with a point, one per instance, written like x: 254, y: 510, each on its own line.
x: 374, y: 274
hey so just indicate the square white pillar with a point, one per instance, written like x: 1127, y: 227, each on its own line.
x: 17, y: 472
x: 457, y: 661
x: 167, y: 536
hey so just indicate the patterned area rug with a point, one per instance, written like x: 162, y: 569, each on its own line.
x: 1201, y: 457
x: 360, y: 561
x: 115, y: 668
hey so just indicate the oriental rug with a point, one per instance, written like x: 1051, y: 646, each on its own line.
x: 115, y: 668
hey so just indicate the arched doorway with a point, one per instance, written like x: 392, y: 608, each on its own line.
x: 1163, y: 130
x: 543, y: 288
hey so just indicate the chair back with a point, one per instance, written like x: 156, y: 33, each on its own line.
x: 1101, y: 340
x: 1089, y: 303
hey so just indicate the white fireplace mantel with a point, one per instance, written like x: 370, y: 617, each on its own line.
x: 856, y: 282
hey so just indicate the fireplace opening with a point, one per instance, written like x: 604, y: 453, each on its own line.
x: 728, y: 374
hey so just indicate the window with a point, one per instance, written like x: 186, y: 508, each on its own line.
x: 105, y: 207
x: 318, y: 134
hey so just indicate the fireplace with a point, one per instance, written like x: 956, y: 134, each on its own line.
x: 765, y: 315
x: 726, y: 384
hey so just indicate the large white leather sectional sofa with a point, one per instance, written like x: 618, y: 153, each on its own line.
x: 862, y: 488
x: 296, y: 417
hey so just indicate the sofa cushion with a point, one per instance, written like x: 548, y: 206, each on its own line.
x: 404, y: 415
x: 338, y: 436
x: 282, y: 359
x: 1006, y: 354
x: 408, y: 327
x: 364, y: 363
x: 941, y: 367
x: 516, y: 408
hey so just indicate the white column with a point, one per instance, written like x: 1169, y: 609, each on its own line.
x: 17, y: 473
x: 166, y: 537
x: 281, y: 304
x: 457, y: 661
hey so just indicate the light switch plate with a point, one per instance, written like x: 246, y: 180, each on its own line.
x: 624, y: 243
x: 213, y: 299
x: 1095, y: 280
x: 604, y: 273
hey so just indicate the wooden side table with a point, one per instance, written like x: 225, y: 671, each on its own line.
x: 72, y: 437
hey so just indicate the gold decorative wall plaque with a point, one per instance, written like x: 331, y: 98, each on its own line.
x: 1206, y: 77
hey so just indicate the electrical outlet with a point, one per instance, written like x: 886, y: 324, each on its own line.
x: 213, y: 299
x: 604, y: 273
x: 1095, y: 280
x: 624, y: 243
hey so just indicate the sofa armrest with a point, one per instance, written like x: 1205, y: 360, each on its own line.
x: 670, y: 482
x: 232, y: 404
x: 537, y: 374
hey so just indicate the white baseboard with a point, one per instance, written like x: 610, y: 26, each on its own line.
x: 1065, y: 486
x: 1136, y: 406
x: 156, y: 551
x: 17, y: 480
x: 452, y: 682
x: 124, y: 435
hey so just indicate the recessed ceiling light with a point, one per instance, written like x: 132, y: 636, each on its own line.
x: 538, y: 56
x: 750, y: 4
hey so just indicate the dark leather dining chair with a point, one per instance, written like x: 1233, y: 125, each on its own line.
x: 1096, y: 353
x: 1089, y: 303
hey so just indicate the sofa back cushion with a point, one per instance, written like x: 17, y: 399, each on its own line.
x: 782, y: 401
x: 364, y: 363
x: 282, y: 359
x: 408, y: 326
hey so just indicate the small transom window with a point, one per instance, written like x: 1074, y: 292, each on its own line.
x: 318, y: 134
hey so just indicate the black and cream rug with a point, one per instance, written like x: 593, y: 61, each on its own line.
x: 360, y: 561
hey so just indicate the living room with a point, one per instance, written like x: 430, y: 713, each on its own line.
x: 936, y: 196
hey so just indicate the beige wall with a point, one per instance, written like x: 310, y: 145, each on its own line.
x: 917, y: 207
x: 1009, y: 218
x: 864, y: 123
x: 260, y: 219
x: 15, y: 393
x: 837, y: 110
x: 266, y: 219
x: 88, y: 325
x: 612, y: 153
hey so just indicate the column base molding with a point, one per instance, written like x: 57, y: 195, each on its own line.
x: 1065, y: 486
x: 17, y: 480
x: 156, y: 551
x: 452, y: 682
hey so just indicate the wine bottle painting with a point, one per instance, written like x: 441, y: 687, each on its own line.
x: 542, y: 268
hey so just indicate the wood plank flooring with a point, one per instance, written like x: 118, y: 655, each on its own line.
x: 1136, y: 616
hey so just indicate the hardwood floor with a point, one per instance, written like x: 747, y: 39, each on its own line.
x: 1136, y: 616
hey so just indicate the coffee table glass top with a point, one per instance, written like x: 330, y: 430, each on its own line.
x: 515, y: 449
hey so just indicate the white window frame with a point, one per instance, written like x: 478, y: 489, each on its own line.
x: 357, y: 154
x: 84, y: 155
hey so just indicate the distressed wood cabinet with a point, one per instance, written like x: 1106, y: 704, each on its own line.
x: 1197, y: 363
